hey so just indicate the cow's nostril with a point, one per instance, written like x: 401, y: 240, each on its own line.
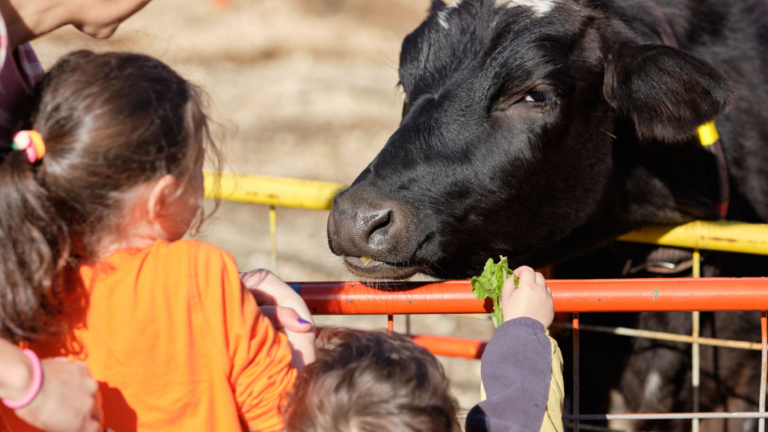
x: 379, y: 231
x: 380, y: 222
x: 365, y: 229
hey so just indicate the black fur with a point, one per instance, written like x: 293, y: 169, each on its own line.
x: 644, y: 83
x: 608, y: 144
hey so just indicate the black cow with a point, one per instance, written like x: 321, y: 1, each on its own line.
x: 542, y: 129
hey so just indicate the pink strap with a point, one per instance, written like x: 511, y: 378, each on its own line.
x: 37, y: 382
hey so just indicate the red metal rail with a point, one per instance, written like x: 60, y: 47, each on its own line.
x: 598, y: 295
x: 447, y: 346
x: 451, y: 346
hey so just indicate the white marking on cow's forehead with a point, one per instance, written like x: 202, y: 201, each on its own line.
x: 540, y: 7
x: 442, y: 16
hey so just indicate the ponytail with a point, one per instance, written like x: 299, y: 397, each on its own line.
x: 110, y: 122
x: 34, y: 250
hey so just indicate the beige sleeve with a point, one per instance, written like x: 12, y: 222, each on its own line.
x: 553, y: 416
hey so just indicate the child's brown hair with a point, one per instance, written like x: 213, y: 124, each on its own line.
x: 371, y: 382
x: 110, y: 122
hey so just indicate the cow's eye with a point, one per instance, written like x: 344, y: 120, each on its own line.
x: 536, y: 96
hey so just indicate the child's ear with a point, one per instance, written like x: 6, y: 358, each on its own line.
x: 160, y: 196
x: 667, y: 92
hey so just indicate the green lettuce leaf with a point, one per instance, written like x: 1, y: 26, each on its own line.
x: 491, y: 283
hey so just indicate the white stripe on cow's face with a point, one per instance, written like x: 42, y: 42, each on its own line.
x: 540, y: 7
x: 442, y: 16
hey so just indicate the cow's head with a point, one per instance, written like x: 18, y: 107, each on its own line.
x: 508, y: 133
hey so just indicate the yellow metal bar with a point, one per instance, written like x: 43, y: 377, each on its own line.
x: 273, y: 191
x: 723, y: 236
x: 273, y: 236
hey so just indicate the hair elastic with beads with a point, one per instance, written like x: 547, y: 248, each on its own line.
x: 31, y: 143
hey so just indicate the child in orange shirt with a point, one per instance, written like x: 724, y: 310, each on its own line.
x: 95, y: 203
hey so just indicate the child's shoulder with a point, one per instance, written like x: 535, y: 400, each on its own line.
x: 163, y: 260
x: 188, y: 249
x: 207, y: 263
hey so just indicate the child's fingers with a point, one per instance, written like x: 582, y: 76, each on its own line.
x: 290, y: 320
x: 508, y: 287
x: 287, y: 318
x: 518, y: 270
x: 525, y: 275
x: 253, y: 278
x: 540, y: 279
x: 262, y: 298
x: 271, y: 313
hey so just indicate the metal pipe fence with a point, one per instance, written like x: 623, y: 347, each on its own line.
x: 596, y: 295
x: 632, y: 295
x: 572, y: 296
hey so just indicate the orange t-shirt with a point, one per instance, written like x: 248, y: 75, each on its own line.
x: 177, y: 343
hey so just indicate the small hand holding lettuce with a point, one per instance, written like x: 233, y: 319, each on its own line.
x: 490, y: 284
x: 530, y: 298
x: 522, y: 293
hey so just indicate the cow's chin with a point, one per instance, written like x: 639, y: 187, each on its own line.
x: 380, y: 270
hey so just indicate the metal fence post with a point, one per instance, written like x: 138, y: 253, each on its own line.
x: 273, y: 236
x: 764, y: 367
x: 575, y: 370
x: 695, y: 349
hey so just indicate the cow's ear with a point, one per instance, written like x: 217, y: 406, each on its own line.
x: 436, y: 6
x: 667, y: 92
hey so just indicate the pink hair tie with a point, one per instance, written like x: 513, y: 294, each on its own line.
x: 37, y: 382
x: 31, y: 143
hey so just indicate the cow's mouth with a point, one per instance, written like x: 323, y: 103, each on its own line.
x: 371, y: 268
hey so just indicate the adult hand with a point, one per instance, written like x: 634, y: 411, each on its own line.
x: 68, y: 401
x: 532, y: 298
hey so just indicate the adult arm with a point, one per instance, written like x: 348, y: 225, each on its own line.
x: 68, y: 400
x: 15, y: 372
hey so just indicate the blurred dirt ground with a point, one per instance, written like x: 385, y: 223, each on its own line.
x: 298, y: 88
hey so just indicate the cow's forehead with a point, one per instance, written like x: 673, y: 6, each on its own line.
x: 485, y: 37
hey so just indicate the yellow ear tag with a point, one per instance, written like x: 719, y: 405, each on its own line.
x: 708, y: 133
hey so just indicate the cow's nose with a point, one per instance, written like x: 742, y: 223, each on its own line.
x: 360, y: 231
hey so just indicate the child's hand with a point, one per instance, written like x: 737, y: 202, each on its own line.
x: 286, y: 318
x: 532, y: 297
x: 269, y: 290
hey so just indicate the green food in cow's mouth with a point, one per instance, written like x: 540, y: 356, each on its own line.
x: 491, y: 283
x: 366, y: 260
